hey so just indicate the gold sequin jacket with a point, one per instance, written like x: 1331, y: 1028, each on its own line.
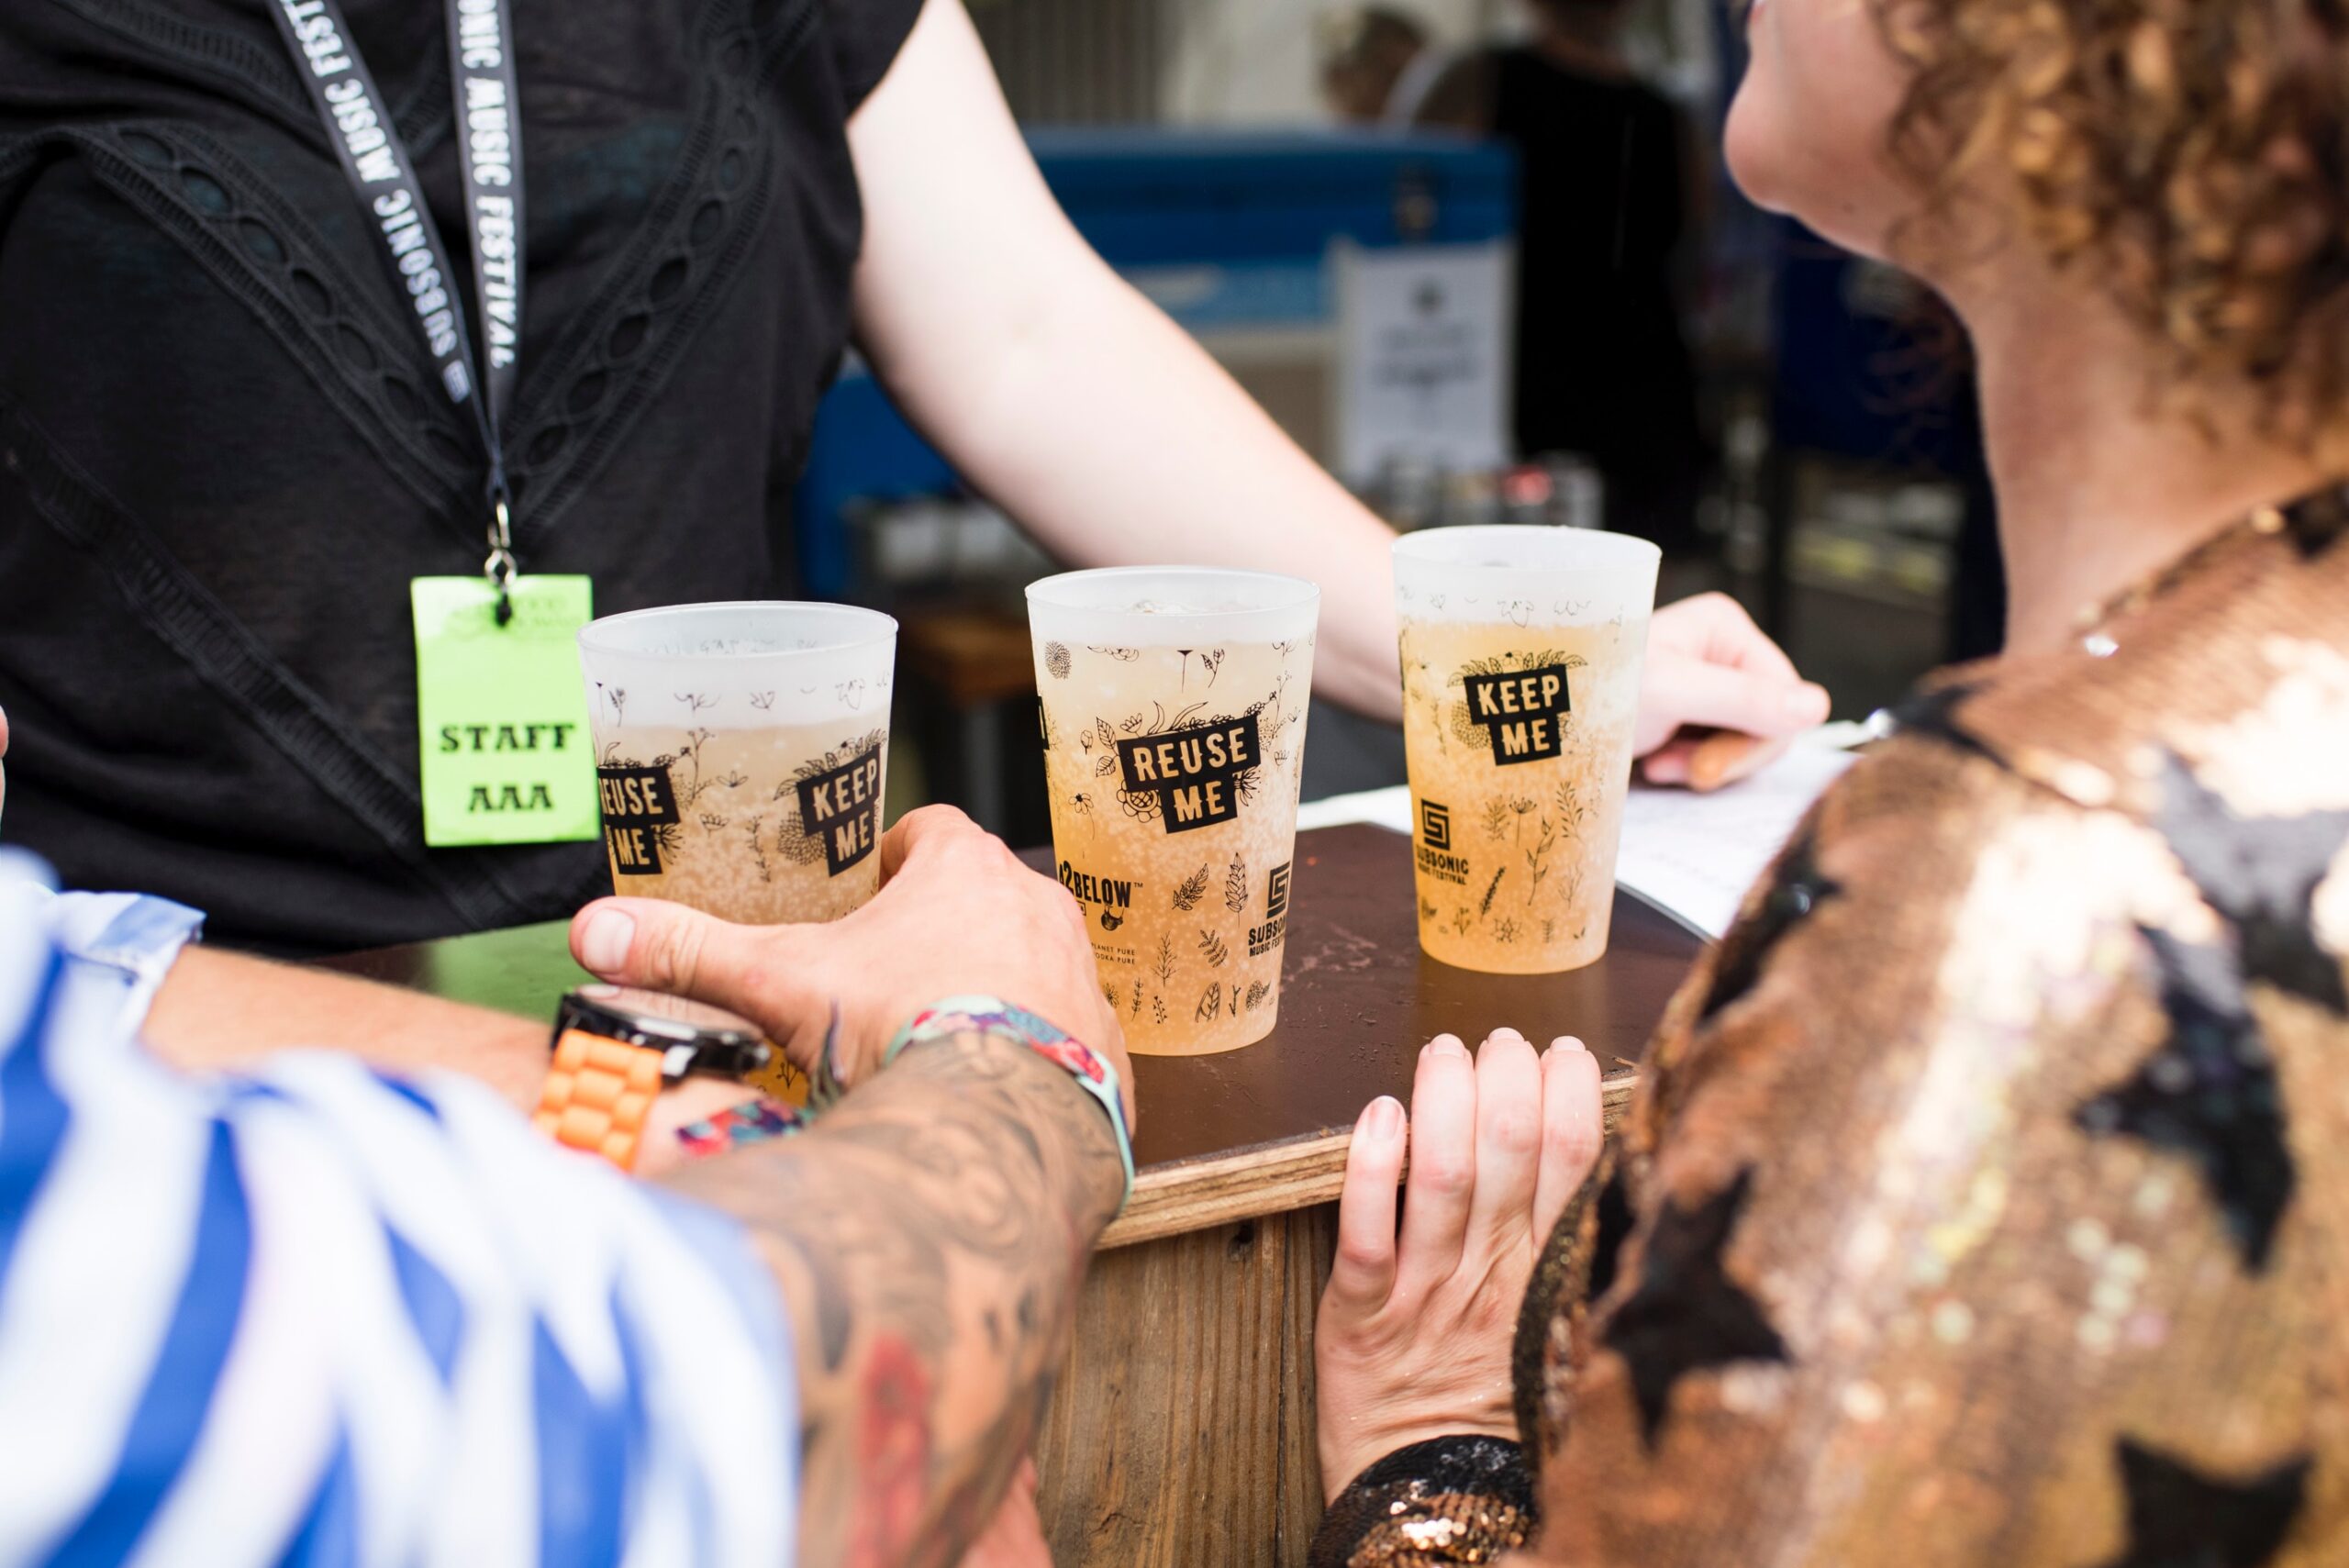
x: 1985, y: 1201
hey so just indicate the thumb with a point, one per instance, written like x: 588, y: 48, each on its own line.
x: 1690, y: 691
x: 660, y: 946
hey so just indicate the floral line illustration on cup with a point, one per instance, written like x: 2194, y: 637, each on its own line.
x: 775, y: 832
x: 741, y: 752
x: 1517, y: 716
x: 1172, y: 706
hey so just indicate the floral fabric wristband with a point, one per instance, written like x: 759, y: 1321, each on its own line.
x: 754, y: 1122
x: 992, y: 1015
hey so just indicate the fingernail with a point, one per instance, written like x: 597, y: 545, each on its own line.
x: 1504, y: 1033
x: 1807, y: 704
x: 1444, y: 1045
x: 1566, y: 1042
x: 1383, y: 1119
x: 602, y: 947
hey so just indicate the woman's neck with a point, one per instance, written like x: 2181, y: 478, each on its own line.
x: 2097, y: 488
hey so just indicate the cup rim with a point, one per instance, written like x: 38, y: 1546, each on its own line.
x: 878, y: 629
x: 1306, y: 592
x: 1427, y: 546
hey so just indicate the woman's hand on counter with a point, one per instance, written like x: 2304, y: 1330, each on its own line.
x: 1710, y: 669
x: 1414, y: 1335
x: 957, y: 915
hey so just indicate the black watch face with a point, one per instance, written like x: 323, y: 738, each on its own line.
x: 695, y: 1040
x: 657, y: 1007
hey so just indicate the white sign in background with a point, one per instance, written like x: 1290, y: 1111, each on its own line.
x: 1423, y: 338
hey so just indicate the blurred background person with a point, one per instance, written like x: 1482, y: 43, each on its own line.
x: 1610, y: 191
x: 1377, y: 65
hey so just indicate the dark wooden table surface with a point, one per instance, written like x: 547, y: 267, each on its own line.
x: 1181, y: 1432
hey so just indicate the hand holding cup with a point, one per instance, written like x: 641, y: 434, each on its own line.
x: 957, y: 914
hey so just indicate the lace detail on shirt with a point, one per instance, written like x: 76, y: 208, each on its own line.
x: 258, y: 71
x: 340, y: 329
x: 619, y: 353
x: 608, y: 363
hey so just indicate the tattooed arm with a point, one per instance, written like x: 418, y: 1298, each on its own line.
x: 928, y: 1237
x: 930, y: 1233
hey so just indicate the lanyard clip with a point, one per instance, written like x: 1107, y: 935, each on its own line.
x: 501, y: 568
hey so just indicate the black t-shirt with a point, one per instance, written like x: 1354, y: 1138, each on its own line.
x: 1602, y: 366
x: 222, y: 457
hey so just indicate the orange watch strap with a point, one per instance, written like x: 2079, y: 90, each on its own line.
x: 597, y: 1095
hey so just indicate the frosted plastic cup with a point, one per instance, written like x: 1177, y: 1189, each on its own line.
x: 740, y: 752
x: 1521, y: 653
x: 1173, y: 709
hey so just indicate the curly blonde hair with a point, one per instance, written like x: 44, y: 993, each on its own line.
x: 2193, y: 153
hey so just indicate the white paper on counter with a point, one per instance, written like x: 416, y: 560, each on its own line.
x: 1694, y: 855
x: 1697, y: 854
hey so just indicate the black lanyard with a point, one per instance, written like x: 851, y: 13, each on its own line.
x: 489, y: 142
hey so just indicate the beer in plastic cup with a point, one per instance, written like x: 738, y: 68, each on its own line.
x: 1521, y: 651
x: 741, y: 750
x: 1173, y: 705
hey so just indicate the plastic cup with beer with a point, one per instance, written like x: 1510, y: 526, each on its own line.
x: 740, y: 752
x: 1173, y: 705
x: 1521, y: 651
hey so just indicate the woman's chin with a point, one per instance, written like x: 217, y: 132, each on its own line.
x: 1852, y: 207
x: 1752, y: 150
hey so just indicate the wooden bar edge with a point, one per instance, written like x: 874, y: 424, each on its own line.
x: 1199, y: 1194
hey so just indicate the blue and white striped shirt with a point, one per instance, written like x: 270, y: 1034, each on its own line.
x: 316, y: 1315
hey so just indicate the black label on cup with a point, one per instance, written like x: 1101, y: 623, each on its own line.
x: 1194, y: 773
x: 1434, y: 851
x: 637, y: 804
x: 1264, y: 939
x: 843, y: 808
x: 1520, y: 711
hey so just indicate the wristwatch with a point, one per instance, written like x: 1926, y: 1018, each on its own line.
x: 616, y: 1049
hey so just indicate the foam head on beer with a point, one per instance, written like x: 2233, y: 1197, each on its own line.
x: 1171, y: 713
x: 741, y: 751
x: 1521, y: 653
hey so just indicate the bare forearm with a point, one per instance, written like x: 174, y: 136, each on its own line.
x: 928, y: 1237
x: 1116, y: 441
x: 223, y: 1011
x: 1060, y: 392
x: 219, y: 1011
